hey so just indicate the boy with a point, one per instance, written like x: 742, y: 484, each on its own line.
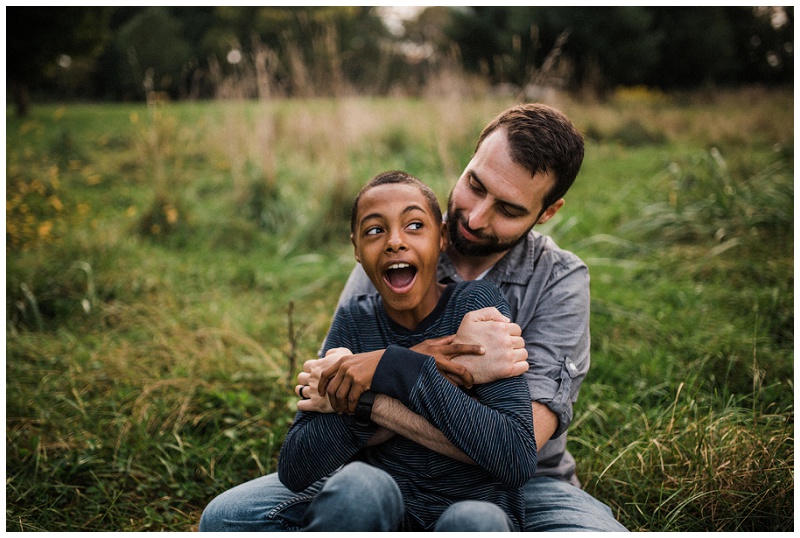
x: 397, y: 233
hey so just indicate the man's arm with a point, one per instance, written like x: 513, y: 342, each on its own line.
x: 393, y: 415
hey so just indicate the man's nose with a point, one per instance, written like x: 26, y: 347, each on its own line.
x: 479, y: 216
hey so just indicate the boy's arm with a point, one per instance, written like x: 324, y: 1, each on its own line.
x: 498, y: 423
x: 489, y: 345
x: 316, y: 445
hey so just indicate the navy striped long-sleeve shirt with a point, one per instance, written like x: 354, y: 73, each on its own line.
x: 495, y: 428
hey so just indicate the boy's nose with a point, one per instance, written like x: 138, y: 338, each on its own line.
x: 395, y: 244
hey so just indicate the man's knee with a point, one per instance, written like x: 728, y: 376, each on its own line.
x: 554, y: 505
x: 473, y: 516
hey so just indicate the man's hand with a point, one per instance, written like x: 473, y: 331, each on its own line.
x: 443, y: 350
x: 345, y: 380
x: 308, y: 382
x: 505, y: 354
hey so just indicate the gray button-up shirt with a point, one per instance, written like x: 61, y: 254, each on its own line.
x: 547, y: 289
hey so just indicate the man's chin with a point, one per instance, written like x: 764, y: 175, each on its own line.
x: 470, y: 248
x: 481, y: 250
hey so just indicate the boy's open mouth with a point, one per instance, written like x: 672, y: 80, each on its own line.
x: 400, y: 276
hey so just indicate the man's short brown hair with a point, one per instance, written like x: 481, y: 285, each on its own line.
x: 542, y: 139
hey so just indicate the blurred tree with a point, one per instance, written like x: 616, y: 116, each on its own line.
x: 317, y: 50
x: 607, y: 46
x: 697, y: 49
x: 190, y: 52
x: 764, y: 43
x: 670, y: 47
x: 40, y: 40
x: 152, y: 53
x: 604, y: 45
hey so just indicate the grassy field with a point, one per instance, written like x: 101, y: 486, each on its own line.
x: 170, y: 267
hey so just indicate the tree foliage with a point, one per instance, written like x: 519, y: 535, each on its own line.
x: 669, y: 47
x: 122, y: 53
x: 36, y: 38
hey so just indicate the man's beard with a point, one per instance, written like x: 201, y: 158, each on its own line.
x: 491, y: 244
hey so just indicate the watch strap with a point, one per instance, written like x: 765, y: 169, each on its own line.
x: 363, y: 414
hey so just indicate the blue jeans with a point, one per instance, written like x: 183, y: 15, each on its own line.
x: 264, y: 504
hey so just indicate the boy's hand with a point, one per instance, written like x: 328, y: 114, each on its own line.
x: 347, y: 378
x: 505, y: 354
x: 308, y: 382
x: 444, y: 350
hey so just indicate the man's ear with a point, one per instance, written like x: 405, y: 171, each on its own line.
x: 355, y: 248
x: 443, y: 237
x: 550, y: 211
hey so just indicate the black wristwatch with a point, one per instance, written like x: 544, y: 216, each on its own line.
x: 364, y: 409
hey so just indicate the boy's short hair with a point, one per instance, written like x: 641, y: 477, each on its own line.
x: 397, y: 176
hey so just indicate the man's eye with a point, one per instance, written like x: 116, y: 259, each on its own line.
x: 508, y: 212
x: 475, y: 186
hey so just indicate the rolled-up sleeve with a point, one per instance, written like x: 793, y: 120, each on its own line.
x: 555, y: 326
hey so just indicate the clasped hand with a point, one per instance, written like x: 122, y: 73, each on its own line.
x: 505, y: 354
x: 313, y: 398
x: 486, y: 348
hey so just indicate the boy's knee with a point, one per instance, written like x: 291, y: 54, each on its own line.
x: 473, y: 516
x: 359, y: 497
x: 364, y: 483
x: 213, y: 517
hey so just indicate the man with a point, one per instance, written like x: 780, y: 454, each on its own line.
x: 525, y: 161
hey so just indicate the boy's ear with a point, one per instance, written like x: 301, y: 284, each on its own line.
x: 355, y: 248
x: 550, y: 211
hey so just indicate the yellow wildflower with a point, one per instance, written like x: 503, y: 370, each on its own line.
x: 54, y: 176
x: 171, y: 214
x: 56, y: 203
x: 45, y: 228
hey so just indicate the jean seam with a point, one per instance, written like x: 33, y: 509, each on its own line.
x: 305, y: 496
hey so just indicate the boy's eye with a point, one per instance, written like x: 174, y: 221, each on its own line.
x: 415, y: 225
x: 373, y: 230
